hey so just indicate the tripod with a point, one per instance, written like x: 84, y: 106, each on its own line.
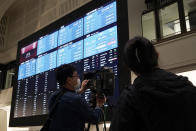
x: 104, y: 119
x: 89, y: 124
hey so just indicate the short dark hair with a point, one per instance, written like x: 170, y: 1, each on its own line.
x: 140, y: 55
x: 63, y: 72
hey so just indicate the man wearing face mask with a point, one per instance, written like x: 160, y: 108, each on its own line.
x: 72, y: 111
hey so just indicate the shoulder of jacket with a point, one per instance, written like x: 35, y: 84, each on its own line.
x: 131, y: 89
x: 131, y: 93
x: 128, y: 93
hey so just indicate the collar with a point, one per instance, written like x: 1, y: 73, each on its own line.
x: 65, y: 90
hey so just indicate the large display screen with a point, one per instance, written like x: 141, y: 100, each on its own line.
x: 47, y: 43
x: 70, y: 53
x: 88, y: 42
x: 100, y: 18
x: 70, y: 32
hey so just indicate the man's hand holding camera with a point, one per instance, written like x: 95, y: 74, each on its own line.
x: 99, y: 100
x: 83, y: 87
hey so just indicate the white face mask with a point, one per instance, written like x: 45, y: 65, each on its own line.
x: 77, y: 86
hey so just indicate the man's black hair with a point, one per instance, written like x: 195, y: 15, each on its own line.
x: 140, y: 55
x: 63, y: 72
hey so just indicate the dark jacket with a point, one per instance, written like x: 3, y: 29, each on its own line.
x: 72, y: 112
x: 158, y: 101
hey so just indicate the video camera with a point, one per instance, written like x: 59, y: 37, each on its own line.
x: 101, y: 81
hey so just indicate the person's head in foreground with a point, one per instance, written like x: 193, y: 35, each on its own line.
x: 140, y: 55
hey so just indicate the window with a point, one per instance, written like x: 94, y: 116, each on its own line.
x: 169, y: 21
x: 148, y: 24
x: 170, y: 18
x: 190, y: 14
x: 9, y: 78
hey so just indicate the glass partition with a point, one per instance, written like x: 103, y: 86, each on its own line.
x: 9, y: 78
x: 148, y: 25
x: 169, y: 21
x: 190, y: 14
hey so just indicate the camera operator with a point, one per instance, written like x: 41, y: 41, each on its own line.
x: 72, y: 110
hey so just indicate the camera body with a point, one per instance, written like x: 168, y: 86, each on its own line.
x: 101, y: 83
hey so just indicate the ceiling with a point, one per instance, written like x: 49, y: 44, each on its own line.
x: 8, y: 54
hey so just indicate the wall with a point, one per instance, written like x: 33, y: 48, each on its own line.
x: 3, y: 120
x: 28, y: 16
x: 5, y: 97
x: 176, y: 53
x: 5, y: 101
x: 5, y: 4
x: 135, y: 9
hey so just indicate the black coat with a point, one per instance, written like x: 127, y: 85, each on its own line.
x: 72, y: 112
x: 159, y: 101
